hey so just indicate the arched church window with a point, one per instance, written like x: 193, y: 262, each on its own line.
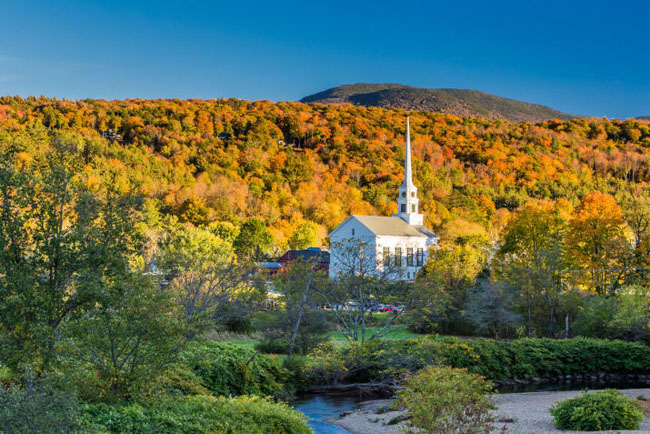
x: 403, y: 194
x: 412, y: 194
x: 352, y: 232
x: 413, y: 208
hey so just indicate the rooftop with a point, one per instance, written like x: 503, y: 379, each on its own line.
x: 393, y: 226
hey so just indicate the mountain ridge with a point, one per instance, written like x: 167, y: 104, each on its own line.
x: 460, y: 102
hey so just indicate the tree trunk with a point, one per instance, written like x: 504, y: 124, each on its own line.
x: 301, y: 312
x: 566, y: 327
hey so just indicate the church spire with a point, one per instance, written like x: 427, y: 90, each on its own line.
x: 408, y: 177
x: 407, y: 200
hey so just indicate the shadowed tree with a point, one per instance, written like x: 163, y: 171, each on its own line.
x: 360, y: 283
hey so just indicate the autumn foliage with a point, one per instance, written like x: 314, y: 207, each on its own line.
x: 291, y: 163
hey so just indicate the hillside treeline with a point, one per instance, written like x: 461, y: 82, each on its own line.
x: 302, y: 169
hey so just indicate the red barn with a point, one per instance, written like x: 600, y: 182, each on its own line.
x: 311, y: 254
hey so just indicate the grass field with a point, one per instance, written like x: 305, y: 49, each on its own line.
x: 397, y: 332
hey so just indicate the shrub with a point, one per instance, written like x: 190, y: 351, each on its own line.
x: 273, y: 345
x: 296, y: 366
x: 228, y: 370
x: 448, y: 400
x: 196, y: 414
x: 39, y: 410
x: 604, y: 410
x: 314, y: 330
x: 374, y: 361
x: 495, y: 360
x: 180, y: 380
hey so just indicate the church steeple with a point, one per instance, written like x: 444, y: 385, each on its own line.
x: 407, y: 200
x: 408, y: 177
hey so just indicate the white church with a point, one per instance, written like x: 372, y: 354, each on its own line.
x: 401, y: 242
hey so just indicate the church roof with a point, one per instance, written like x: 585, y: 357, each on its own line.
x: 393, y: 226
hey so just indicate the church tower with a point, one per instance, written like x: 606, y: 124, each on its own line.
x: 407, y: 201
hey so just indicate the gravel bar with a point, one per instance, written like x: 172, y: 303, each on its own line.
x: 521, y: 413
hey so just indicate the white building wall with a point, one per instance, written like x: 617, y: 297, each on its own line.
x: 350, y: 232
x: 404, y: 243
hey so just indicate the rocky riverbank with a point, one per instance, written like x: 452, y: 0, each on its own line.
x: 519, y: 412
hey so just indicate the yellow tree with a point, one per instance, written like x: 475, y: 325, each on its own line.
x: 597, y: 247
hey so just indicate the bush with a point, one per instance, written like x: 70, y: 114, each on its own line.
x: 604, y: 410
x: 314, y: 330
x: 296, y: 366
x: 228, y: 370
x: 196, y: 414
x: 239, y: 324
x: 495, y: 360
x: 540, y: 357
x: 39, y: 410
x: 273, y: 345
x: 448, y: 400
x: 374, y: 361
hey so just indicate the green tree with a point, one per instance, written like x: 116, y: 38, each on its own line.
x: 439, y: 294
x: 305, y: 235
x: 129, y: 337
x: 194, y: 211
x: 632, y: 319
x: 254, y: 240
x: 303, y: 323
x: 490, y: 307
x: 206, y: 280
x: 60, y: 243
x: 532, y: 258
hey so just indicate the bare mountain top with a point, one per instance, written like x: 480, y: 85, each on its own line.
x: 459, y: 102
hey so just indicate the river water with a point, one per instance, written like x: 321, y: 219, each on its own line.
x: 319, y: 407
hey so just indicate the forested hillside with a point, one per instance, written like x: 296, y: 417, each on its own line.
x: 303, y: 168
x: 458, y: 102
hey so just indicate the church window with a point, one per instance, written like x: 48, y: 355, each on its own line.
x: 409, y: 256
x: 386, y: 255
x: 413, y: 207
x: 412, y: 194
x: 403, y: 194
x: 352, y: 232
x: 420, y: 257
x: 398, y: 256
x: 403, y: 207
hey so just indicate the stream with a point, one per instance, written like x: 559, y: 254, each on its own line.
x: 321, y: 407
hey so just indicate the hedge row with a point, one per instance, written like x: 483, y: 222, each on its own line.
x: 495, y: 360
x: 542, y: 357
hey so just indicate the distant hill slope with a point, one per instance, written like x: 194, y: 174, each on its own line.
x: 459, y: 102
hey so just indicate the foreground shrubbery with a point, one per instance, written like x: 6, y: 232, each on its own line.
x: 191, y: 396
x: 599, y: 411
x: 495, y: 360
x: 196, y: 414
x: 448, y: 400
x: 226, y: 370
x: 37, y: 408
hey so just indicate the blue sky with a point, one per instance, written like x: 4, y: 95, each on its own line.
x: 583, y: 57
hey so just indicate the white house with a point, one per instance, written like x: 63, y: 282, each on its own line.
x: 401, y: 242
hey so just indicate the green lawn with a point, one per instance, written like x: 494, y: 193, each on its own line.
x: 397, y: 332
